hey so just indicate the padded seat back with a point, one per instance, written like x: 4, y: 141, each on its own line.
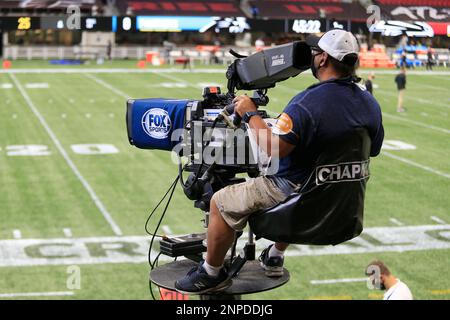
x: 329, y: 207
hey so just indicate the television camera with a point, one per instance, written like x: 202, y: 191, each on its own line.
x: 207, y: 132
x: 193, y: 128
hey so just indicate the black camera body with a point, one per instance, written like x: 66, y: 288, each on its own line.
x: 207, y: 132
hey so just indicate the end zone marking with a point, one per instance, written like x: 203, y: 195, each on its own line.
x: 134, y: 249
x: 332, y: 281
x: 36, y: 294
x: 115, y: 228
x: 17, y: 234
x: 438, y: 220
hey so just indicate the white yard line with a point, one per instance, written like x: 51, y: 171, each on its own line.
x: 108, y: 86
x: 409, y: 96
x: 417, y: 123
x: 17, y: 234
x: 415, y: 164
x: 37, y: 294
x: 343, y: 280
x: 438, y: 220
x: 66, y: 157
x: 173, y: 78
x: 427, y: 86
x: 396, y: 222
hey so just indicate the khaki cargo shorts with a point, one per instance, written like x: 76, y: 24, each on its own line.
x: 238, y: 201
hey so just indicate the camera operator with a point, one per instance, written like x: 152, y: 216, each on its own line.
x: 324, y: 111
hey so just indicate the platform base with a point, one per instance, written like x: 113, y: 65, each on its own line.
x: 251, y: 278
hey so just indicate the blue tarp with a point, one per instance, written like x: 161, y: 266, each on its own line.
x: 66, y: 62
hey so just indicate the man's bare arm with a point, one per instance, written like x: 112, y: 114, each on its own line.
x: 272, y: 144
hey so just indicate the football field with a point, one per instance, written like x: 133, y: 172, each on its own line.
x: 74, y: 195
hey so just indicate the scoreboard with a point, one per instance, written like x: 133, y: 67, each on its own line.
x: 19, y: 23
x: 126, y: 24
x: 68, y: 23
x: 143, y: 24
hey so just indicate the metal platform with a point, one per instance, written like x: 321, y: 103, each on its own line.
x: 251, y: 278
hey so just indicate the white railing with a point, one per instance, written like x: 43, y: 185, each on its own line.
x: 13, y: 52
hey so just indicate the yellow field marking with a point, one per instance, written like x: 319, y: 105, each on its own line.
x: 440, y: 292
x: 375, y: 295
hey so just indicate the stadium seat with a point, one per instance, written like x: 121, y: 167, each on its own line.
x: 435, y: 3
x: 375, y: 58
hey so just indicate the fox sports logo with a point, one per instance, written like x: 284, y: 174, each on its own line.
x: 156, y: 123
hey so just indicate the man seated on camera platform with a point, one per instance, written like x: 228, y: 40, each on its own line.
x: 326, y: 110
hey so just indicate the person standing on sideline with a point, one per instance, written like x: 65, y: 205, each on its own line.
x: 383, y: 279
x: 403, y: 63
x: 430, y: 61
x: 368, y: 83
x: 400, y: 79
x: 108, y: 50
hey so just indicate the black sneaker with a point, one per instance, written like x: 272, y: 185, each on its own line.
x: 272, y: 265
x: 197, y: 281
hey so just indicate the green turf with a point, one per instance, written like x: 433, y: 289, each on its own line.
x: 41, y: 195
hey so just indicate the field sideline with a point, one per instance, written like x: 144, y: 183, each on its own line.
x: 74, y: 192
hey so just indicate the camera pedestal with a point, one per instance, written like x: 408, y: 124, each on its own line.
x: 250, y: 279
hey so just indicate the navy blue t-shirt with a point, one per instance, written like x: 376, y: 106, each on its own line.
x: 322, y: 113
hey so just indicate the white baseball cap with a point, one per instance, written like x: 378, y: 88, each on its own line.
x: 337, y: 43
